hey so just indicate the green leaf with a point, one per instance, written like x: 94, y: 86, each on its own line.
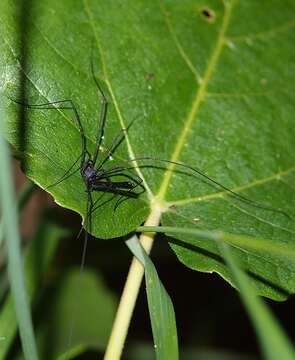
x: 207, y: 85
x: 79, y: 316
x: 160, y: 306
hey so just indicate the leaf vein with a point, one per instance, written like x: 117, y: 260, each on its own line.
x: 54, y: 48
x: 40, y: 91
x: 264, y: 34
x: 200, y: 95
x: 178, y: 45
x: 238, y: 189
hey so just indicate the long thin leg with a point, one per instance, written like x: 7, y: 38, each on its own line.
x: 128, y: 193
x: 123, y: 198
x: 129, y: 177
x: 119, y: 137
x: 102, y: 119
x: 111, y: 169
x: 66, y: 175
x: 110, y: 149
x: 215, y: 183
x: 114, y: 169
x: 108, y: 173
x: 103, y: 203
x: 45, y: 106
x: 88, y: 229
x: 97, y: 200
x: 102, y: 116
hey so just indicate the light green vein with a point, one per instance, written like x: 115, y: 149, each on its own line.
x: 238, y: 189
x: 260, y: 219
x: 264, y: 34
x: 197, y: 101
x: 173, y: 206
x: 58, y: 53
x: 241, y: 95
x: 117, y: 108
x: 40, y: 91
x: 179, y: 46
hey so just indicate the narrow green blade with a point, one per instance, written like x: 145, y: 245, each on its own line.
x: 37, y: 259
x: 273, y: 341
x: 12, y: 237
x: 160, y: 306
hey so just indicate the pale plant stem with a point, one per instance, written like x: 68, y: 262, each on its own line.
x: 130, y: 293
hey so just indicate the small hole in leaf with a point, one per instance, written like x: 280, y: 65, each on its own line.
x: 208, y: 14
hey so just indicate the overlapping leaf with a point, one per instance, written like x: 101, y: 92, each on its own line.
x: 209, y: 84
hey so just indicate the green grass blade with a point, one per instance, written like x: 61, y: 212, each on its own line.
x: 15, y: 268
x: 282, y: 250
x: 274, y: 343
x: 160, y: 306
x: 37, y: 258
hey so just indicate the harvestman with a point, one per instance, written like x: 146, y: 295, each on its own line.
x: 99, y: 178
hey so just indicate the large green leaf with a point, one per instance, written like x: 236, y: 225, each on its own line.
x: 210, y: 86
x: 72, y: 327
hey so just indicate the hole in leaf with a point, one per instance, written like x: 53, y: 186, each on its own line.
x: 208, y: 14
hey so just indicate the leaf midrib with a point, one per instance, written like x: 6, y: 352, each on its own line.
x: 200, y: 95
